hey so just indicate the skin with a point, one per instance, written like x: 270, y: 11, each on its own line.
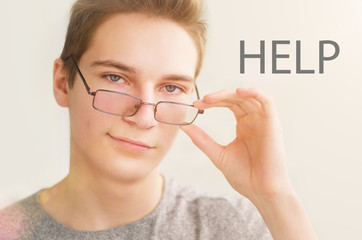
x: 110, y: 185
x: 254, y: 163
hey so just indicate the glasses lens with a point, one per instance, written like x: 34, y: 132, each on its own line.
x: 115, y: 103
x: 175, y: 113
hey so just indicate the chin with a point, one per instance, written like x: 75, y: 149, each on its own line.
x: 130, y: 169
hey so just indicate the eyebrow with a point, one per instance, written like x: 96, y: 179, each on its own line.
x: 179, y: 77
x: 124, y: 67
x: 118, y: 65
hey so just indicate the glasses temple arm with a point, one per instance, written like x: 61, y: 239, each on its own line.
x: 80, y: 73
x: 197, y: 92
x: 198, y: 98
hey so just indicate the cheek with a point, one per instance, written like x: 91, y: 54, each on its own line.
x: 168, y: 135
x: 86, y: 122
x: 92, y: 123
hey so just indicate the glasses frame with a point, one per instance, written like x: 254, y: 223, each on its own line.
x: 141, y: 101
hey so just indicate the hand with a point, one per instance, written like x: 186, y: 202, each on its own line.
x: 254, y: 162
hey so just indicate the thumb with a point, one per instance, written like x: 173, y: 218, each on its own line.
x: 203, y: 141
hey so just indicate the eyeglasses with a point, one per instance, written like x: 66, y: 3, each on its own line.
x: 126, y: 105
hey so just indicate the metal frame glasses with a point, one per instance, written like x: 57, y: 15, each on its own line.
x: 135, y: 103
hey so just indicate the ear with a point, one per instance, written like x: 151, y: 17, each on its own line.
x: 60, y: 83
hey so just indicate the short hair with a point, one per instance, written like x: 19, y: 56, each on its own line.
x: 88, y: 15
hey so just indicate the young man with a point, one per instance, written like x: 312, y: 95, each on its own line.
x: 127, y: 74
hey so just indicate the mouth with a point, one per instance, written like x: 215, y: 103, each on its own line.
x: 131, y: 145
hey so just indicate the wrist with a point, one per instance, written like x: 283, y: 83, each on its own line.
x: 276, y: 201
x: 273, y: 195
x: 285, y: 216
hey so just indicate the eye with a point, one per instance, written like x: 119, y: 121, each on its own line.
x: 114, y: 78
x: 171, y: 88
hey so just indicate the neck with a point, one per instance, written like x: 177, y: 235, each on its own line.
x: 87, y: 202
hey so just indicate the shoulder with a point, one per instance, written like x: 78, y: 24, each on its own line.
x: 216, y: 216
x: 18, y: 219
x: 11, y: 222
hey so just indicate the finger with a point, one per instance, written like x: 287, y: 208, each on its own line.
x: 203, y: 141
x: 267, y: 104
x: 223, y: 95
x: 229, y: 99
x: 239, y: 110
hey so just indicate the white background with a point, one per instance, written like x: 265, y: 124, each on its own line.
x: 321, y: 114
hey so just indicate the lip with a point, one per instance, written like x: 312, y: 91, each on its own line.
x: 130, y: 144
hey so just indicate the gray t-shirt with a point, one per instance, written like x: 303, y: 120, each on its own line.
x: 183, y: 213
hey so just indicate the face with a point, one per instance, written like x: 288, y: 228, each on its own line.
x: 150, y: 58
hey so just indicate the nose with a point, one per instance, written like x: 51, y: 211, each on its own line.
x: 144, y: 117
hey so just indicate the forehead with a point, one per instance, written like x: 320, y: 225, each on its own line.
x: 149, y: 44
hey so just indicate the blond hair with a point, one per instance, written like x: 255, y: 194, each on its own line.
x: 88, y: 15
